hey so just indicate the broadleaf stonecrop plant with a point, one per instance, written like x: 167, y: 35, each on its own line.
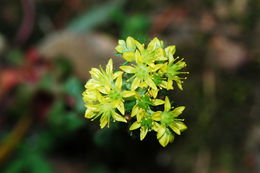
x: 137, y: 90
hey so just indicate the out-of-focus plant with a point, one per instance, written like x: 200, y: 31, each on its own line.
x: 137, y: 92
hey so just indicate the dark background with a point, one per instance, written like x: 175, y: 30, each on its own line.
x: 47, y: 48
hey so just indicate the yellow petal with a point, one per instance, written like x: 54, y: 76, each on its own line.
x: 177, y: 111
x: 129, y: 56
x: 167, y: 104
x: 151, y: 83
x: 171, y: 138
x: 155, y: 126
x: 155, y: 43
x: 104, y: 120
x: 103, y: 90
x: 157, y: 102
x: 139, y: 115
x: 89, y: 114
x: 135, y: 110
x: 139, y: 46
x: 169, y: 85
x: 119, y: 48
x: 128, y: 93
x: 138, y: 57
x: 92, y: 83
x: 157, y: 116
x: 154, y: 68
x: 120, y: 107
x: 127, y: 69
x: 175, y: 128
x: 160, y: 132
x: 118, y: 117
x: 135, y: 84
x: 117, y: 74
x: 95, y: 73
x: 179, y: 85
x: 130, y: 43
x: 118, y: 83
x: 109, y: 67
x: 181, y: 126
x: 153, y: 92
x: 143, y: 85
x: 170, y: 50
x: 135, y: 125
x: 164, y: 140
x: 143, y: 133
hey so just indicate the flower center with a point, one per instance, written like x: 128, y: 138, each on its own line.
x: 115, y: 94
x: 147, y: 122
x: 142, y: 72
x: 106, y: 108
x: 167, y: 118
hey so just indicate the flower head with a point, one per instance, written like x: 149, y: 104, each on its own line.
x: 137, y: 90
x: 168, y: 122
x: 104, y: 95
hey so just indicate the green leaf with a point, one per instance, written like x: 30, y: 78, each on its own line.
x: 15, y: 57
x: 74, y: 87
x: 94, y: 17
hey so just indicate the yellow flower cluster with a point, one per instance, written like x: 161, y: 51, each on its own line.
x: 136, y: 88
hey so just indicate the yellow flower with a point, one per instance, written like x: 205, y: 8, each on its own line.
x: 172, y: 70
x: 134, y: 92
x: 127, y: 48
x: 164, y: 135
x: 146, y: 124
x: 142, y: 74
x: 102, y: 79
x: 168, y: 122
x: 105, y: 109
x: 143, y: 103
x: 104, y: 95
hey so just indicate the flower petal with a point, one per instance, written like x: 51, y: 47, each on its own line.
x: 157, y: 102
x: 135, y: 84
x: 118, y: 83
x: 143, y: 133
x: 175, y: 128
x: 135, y: 126
x: 129, y: 93
x: 157, y: 116
x: 89, y: 114
x: 130, y: 43
x: 160, y: 132
x: 127, y: 69
x: 153, y: 92
x: 164, y: 140
x: 138, y: 57
x: 177, y: 111
x: 109, y: 67
x: 129, y: 56
x: 170, y: 50
x: 151, y: 83
x: 135, y: 110
x: 120, y: 107
x: 181, y: 126
x: 104, y: 120
x: 117, y: 74
x: 118, y: 117
x: 167, y: 104
x: 155, y: 43
x: 95, y: 73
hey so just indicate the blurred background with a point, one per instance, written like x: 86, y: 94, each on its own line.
x: 47, y: 48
